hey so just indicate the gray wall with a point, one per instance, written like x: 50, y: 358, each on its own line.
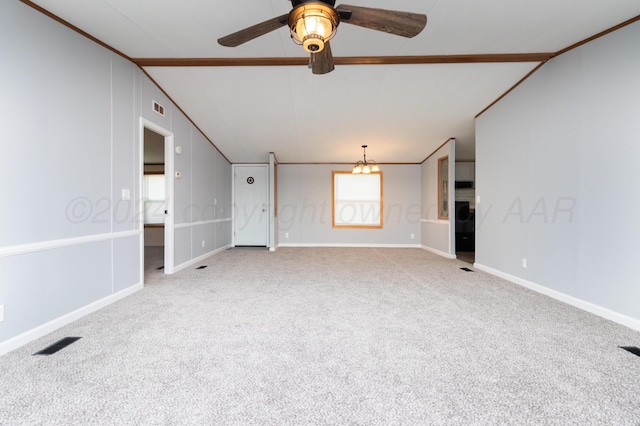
x: 202, y: 196
x: 304, y: 207
x: 437, y: 235
x: 69, y: 112
x: 558, y: 177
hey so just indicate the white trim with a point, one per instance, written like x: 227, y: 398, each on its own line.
x: 111, y: 169
x: 439, y: 252
x: 438, y: 221
x: 66, y: 242
x: 44, y: 329
x: 349, y: 245
x: 273, y: 224
x: 199, y: 258
x: 452, y: 198
x: 200, y: 223
x: 603, y: 312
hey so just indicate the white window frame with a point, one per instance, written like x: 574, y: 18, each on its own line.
x: 154, y: 207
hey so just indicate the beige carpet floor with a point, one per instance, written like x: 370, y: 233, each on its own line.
x: 328, y: 336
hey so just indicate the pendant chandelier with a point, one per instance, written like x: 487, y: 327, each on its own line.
x: 364, y: 166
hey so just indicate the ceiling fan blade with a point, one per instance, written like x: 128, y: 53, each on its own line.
x: 322, y: 62
x: 404, y: 24
x: 243, y: 36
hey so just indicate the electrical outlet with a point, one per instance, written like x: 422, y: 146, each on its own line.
x: 524, y: 263
x: 286, y: 235
x: 202, y: 243
x: 1, y: 313
x: 413, y: 237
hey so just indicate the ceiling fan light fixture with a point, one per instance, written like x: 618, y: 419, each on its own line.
x: 312, y: 24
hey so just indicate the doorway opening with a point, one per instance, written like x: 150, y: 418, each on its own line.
x: 154, y: 199
x: 465, y: 207
x: 465, y: 232
x: 156, y: 189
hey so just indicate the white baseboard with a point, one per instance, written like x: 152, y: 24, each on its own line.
x: 439, y: 252
x: 44, y: 329
x: 199, y: 258
x: 619, y: 318
x: 349, y: 245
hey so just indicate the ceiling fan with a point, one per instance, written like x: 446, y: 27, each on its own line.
x: 313, y: 23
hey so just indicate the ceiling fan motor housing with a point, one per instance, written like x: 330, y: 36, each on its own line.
x: 299, y: 2
x: 313, y: 23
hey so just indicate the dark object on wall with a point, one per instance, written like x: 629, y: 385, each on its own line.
x: 465, y: 227
x: 464, y: 184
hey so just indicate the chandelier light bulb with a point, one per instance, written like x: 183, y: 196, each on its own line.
x: 365, y: 167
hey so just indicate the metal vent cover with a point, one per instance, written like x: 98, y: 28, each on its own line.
x: 57, y: 346
x: 158, y: 108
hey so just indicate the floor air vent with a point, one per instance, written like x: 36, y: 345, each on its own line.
x: 159, y: 268
x: 201, y: 267
x: 59, y: 345
x: 633, y: 349
x: 467, y: 269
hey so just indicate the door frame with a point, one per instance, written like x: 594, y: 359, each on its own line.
x: 169, y: 225
x: 233, y: 200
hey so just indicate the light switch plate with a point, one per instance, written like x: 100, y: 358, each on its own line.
x: 126, y: 195
x: 1, y: 313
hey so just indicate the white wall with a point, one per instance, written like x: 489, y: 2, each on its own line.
x: 557, y: 172
x: 438, y: 235
x: 273, y: 211
x: 304, y: 207
x: 69, y: 113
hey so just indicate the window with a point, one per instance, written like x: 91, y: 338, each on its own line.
x: 154, y: 198
x: 443, y: 188
x: 357, y: 200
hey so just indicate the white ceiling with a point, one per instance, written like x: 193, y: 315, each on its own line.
x: 403, y: 112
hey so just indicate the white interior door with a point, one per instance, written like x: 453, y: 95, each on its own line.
x: 251, y: 203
